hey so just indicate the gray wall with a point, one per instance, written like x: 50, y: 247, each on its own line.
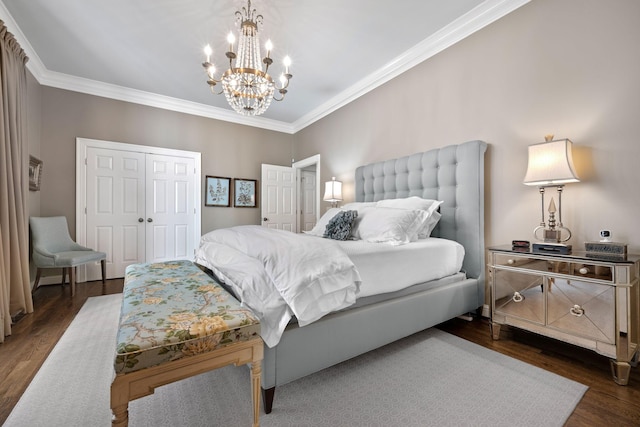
x: 566, y: 67
x: 227, y: 149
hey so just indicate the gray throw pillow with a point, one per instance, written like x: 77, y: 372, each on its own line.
x: 339, y: 228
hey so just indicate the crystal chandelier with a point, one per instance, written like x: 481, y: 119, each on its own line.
x: 248, y: 89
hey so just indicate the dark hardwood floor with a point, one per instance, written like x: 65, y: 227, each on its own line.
x: 605, y: 403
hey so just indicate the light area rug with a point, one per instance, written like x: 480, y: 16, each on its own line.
x: 428, y: 379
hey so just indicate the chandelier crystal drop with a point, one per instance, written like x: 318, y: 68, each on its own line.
x: 249, y: 90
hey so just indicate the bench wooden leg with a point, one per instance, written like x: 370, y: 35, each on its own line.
x: 256, y: 371
x: 120, y: 416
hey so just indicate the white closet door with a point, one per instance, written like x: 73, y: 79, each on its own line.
x: 279, y: 197
x: 140, y: 208
x: 115, y: 200
x: 170, y: 208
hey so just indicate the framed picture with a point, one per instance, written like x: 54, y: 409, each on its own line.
x: 35, y: 173
x: 217, y: 191
x: 245, y: 195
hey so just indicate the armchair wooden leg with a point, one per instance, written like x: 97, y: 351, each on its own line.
x: 103, y: 267
x: 72, y: 280
x: 64, y: 275
x: 37, y: 281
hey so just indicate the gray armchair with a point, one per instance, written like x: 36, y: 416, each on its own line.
x: 53, y: 248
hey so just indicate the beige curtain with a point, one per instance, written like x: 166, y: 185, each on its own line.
x: 15, y: 288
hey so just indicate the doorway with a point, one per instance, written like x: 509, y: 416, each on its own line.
x: 290, y: 202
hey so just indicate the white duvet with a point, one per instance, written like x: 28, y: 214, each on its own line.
x: 278, y: 274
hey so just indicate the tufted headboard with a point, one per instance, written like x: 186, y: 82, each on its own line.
x: 453, y: 174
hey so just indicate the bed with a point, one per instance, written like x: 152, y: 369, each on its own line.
x: 453, y: 175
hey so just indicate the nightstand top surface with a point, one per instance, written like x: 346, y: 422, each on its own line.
x: 574, y: 255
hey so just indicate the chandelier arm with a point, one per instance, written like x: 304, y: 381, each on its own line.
x: 285, y: 85
x: 267, y: 62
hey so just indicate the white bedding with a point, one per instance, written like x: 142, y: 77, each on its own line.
x: 278, y: 274
x: 385, y: 268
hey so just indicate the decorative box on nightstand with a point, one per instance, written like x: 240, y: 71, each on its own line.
x: 580, y: 299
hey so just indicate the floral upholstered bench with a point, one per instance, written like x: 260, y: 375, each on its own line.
x: 177, y: 322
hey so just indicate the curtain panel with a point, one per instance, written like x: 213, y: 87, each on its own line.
x: 15, y: 287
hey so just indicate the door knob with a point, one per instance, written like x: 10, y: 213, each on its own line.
x: 265, y: 219
x: 140, y: 219
x: 149, y: 220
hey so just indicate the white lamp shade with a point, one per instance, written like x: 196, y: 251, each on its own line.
x: 333, y: 191
x: 550, y: 163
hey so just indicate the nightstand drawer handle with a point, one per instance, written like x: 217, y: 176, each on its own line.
x: 576, y: 310
x: 584, y: 270
x: 517, y: 297
x: 511, y: 261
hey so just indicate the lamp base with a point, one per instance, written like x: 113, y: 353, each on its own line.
x: 551, y: 236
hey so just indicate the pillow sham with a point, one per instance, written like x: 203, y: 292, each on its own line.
x: 339, y: 227
x: 415, y: 202
x: 389, y: 225
x: 321, y: 225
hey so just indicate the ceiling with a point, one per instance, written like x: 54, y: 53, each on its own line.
x: 150, y: 51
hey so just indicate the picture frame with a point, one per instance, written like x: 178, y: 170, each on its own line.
x: 217, y: 191
x: 245, y: 193
x: 35, y: 173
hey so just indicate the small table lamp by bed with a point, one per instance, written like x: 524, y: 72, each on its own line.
x: 333, y: 192
x: 551, y: 165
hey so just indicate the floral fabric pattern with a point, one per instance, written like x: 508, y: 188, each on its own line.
x: 172, y: 310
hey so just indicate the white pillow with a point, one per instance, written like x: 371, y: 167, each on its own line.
x: 389, y: 225
x: 321, y: 225
x: 414, y: 202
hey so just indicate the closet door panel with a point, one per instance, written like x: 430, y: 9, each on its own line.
x: 115, y: 182
x: 170, y: 207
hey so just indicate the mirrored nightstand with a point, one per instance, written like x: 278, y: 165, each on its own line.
x: 587, y: 301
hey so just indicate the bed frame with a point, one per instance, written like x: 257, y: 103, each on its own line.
x: 454, y: 174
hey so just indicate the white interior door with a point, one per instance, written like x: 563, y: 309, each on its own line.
x: 115, y: 183
x: 279, y: 199
x: 169, y: 208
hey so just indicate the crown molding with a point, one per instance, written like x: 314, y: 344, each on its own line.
x: 92, y: 87
x: 476, y: 19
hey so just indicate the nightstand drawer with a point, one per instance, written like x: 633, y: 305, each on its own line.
x: 582, y: 309
x: 578, y: 269
x: 518, y: 295
x: 520, y: 261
